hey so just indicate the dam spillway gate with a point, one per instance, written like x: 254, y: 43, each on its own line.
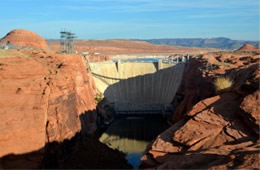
x: 138, y: 86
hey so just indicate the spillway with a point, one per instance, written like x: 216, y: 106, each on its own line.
x: 138, y: 82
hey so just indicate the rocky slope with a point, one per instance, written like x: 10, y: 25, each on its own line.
x: 47, y: 108
x: 24, y: 38
x: 42, y: 99
x: 213, y: 130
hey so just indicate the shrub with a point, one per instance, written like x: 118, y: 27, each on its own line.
x: 223, y: 84
x: 99, y: 97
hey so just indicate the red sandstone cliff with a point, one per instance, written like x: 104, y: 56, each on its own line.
x: 211, y: 130
x: 45, y: 98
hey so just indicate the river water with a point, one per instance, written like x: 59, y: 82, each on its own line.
x: 131, y: 135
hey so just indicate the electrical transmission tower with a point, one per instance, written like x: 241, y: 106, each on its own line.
x: 67, y: 41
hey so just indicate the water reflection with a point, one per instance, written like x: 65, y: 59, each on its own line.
x: 131, y: 135
x: 134, y: 159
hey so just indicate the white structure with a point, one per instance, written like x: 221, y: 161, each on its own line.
x: 138, y: 82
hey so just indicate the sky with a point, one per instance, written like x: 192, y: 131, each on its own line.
x: 134, y: 19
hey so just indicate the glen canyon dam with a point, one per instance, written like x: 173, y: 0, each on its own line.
x: 129, y: 84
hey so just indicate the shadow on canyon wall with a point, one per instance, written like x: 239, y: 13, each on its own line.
x: 152, y: 88
x: 227, y: 108
x: 138, y: 128
x: 81, y: 151
x: 193, y: 160
x: 194, y: 87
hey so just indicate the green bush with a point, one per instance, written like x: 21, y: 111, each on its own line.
x: 99, y: 97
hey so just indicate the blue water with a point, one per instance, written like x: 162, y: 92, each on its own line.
x: 134, y: 159
x: 132, y: 135
x: 150, y: 60
x: 146, y: 59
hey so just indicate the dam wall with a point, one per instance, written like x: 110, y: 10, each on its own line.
x: 138, y: 82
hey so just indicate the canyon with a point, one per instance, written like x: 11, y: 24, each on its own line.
x: 213, y: 130
x: 49, y: 107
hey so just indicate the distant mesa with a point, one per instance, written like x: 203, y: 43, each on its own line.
x: 22, y: 38
x: 248, y: 47
x: 219, y: 43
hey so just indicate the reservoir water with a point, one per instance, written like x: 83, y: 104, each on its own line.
x: 131, y: 135
x: 147, y: 60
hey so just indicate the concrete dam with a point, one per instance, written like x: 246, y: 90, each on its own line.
x: 140, y: 90
x: 138, y: 83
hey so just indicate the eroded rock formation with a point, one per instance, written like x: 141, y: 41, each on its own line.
x: 213, y: 130
x: 24, y: 38
x: 45, y: 98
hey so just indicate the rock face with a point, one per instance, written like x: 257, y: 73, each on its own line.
x: 212, y: 130
x: 45, y: 98
x: 23, y: 107
x: 194, y: 87
x: 200, y: 72
x: 214, y: 137
x: 24, y: 38
x: 251, y: 110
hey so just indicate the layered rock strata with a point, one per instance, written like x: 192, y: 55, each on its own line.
x: 45, y: 98
x: 210, y: 129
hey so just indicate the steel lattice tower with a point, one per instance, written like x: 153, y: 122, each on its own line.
x: 67, y: 41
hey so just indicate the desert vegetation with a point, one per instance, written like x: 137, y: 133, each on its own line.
x: 223, y: 84
x: 99, y: 97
